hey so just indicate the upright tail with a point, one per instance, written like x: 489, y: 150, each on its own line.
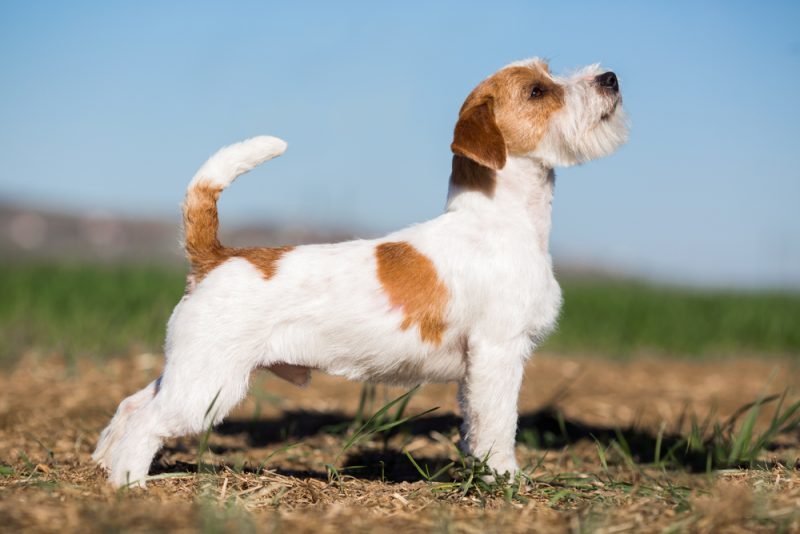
x: 200, y: 219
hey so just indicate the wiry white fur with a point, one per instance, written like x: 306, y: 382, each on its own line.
x: 592, y: 123
x: 325, y: 308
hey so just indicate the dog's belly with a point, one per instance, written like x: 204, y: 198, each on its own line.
x: 448, y: 366
x: 436, y: 367
x: 410, y: 363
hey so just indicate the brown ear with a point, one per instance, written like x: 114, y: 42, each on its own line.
x: 478, y: 137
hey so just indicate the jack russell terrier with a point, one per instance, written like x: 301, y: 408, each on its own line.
x: 464, y: 297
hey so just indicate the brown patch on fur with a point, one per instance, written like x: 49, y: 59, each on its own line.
x: 502, y: 104
x: 298, y: 375
x: 264, y: 258
x: 200, y: 225
x: 410, y: 280
x: 472, y: 176
x: 477, y: 136
x: 205, y: 252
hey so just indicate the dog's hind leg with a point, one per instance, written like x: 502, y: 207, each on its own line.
x: 210, y: 352
x: 115, y: 429
x: 193, y: 394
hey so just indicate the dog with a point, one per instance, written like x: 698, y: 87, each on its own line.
x: 464, y: 297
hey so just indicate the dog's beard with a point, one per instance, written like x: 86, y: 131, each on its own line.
x: 589, y: 127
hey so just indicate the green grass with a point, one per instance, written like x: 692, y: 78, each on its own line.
x: 623, y: 318
x: 96, y: 311
x: 103, y: 311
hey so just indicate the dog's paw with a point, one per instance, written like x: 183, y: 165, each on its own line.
x: 505, y: 468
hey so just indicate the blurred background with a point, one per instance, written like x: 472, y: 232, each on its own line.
x: 686, y: 242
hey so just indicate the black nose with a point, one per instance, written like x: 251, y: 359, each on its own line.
x: 608, y: 80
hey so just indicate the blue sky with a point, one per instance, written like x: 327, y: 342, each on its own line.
x: 112, y: 106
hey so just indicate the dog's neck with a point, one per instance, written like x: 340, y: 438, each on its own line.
x: 523, y: 188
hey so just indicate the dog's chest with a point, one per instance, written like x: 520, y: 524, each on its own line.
x: 513, y: 290
x: 545, y: 306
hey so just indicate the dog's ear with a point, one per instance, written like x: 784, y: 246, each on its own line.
x: 477, y: 136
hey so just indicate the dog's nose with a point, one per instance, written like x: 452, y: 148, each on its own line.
x: 608, y: 80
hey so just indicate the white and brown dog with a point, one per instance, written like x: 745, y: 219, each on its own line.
x: 464, y: 297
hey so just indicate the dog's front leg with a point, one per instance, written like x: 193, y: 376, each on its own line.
x: 488, y: 396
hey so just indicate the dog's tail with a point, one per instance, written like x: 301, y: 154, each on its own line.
x: 200, y: 219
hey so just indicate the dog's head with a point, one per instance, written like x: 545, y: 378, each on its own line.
x: 523, y: 110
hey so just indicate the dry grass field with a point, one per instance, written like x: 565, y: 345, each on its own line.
x: 590, y: 432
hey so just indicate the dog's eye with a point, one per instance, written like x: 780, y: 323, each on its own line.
x: 537, y: 91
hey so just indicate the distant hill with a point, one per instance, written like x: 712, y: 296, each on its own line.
x: 28, y: 233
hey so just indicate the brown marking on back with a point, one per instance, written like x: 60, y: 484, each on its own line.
x: 502, y: 104
x: 410, y: 280
x: 205, y: 252
x: 264, y: 258
x: 472, y: 176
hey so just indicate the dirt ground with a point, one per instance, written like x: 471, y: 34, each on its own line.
x: 278, y: 461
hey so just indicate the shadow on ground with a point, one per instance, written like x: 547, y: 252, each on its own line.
x: 542, y: 429
x: 161, y: 466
